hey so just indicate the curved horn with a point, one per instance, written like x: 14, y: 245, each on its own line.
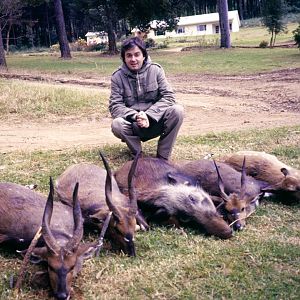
x: 78, y: 222
x: 131, y: 186
x: 220, y: 184
x: 46, y: 231
x: 243, y: 179
x: 108, y: 186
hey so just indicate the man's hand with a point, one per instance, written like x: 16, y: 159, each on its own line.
x: 142, y: 119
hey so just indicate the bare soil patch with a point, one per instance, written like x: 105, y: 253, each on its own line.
x: 213, y: 103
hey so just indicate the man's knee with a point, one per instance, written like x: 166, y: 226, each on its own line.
x: 118, y: 127
x: 175, y: 112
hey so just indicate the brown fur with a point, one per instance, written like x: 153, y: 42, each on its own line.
x: 21, y: 212
x: 93, y: 202
x: 282, y: 179
x: 240, y: 200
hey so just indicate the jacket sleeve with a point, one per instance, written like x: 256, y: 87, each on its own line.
x: 117, y: 105
x: 167, y: 99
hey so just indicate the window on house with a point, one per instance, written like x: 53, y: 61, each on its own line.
x: 217, y: 29
x: 230, y: 26
x: 180, y: 30
x: 201, y: 27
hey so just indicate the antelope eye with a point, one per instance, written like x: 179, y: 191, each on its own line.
x: 192, y: 199
x: 243, y: 209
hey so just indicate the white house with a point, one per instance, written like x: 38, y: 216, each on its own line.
x: 95, y: 38
x: 199, y: 25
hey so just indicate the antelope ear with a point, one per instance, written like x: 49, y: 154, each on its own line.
x: 172, y: 179
x: 86, y: 251
x: 284, y: 171
x: 39, y: 254
x: 40, y: 280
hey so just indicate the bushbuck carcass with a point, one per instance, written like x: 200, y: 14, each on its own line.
x: 283, y: 180
x: 99, y: 194
x: 168, y: 195
x: 23, y: 211
x: 235, y: 194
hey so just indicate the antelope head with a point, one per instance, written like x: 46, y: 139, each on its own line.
x: 64, y: 258
x: 123, y: 221
x: 288, y: 186
x: 236, y: 207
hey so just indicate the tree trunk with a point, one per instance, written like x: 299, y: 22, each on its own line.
x: 241, y: 9
x: 61, y: 31
x: 224, y: 24
x: 112, y: 45
x: 271, y: 41
x: 3, y: 65
x: 8, y: 37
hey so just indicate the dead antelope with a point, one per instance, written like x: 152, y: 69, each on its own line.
x: 99, y: 194
x: 168, y: 195
x: 235, y: 194
x: 283, y: 180
x: 23, y: 211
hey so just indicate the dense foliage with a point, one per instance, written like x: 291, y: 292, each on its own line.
x: 31, y: 23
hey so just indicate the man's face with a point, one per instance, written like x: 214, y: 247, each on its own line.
x: 134, y: 58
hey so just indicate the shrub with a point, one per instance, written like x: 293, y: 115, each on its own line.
x: 296, y: 33
x: 78, y: 45
x: 150, y: 43
x: 96, y: 47
x: 263, y: 44
x: 54, y: 48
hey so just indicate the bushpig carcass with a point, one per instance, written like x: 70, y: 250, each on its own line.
x: 168, y: 195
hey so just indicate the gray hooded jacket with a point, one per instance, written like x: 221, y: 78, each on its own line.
x: 146, y: 90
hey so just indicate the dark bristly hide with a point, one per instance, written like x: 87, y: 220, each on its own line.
x: 169, y: 196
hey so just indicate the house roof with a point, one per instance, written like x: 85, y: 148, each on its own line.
x: 198, y: 19
x: 95, y: 34
x: 206, y: 18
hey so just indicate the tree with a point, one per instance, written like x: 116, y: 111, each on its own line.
x: 296, y: 33
x: 224, y: 24
x: 61, y: 30
x: 3, y: 65
x: 272, y: 11
x: 105, y: 14
x: 141, y: 13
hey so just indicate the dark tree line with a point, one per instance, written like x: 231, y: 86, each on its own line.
x: 36, y: 25
x: 42, y: 23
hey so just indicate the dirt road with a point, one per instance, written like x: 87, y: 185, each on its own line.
x: 212, y: 104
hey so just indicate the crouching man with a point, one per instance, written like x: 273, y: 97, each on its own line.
x: 142, y: 103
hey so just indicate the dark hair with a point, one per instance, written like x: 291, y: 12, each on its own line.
x: 132, y: 42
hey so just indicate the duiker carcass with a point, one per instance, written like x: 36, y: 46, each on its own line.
x: 23, y: 211
x: 100, y: 194
x: 235, y: 194
x: 283, y: 180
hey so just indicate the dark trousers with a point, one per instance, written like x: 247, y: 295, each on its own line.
x: 166, y: 128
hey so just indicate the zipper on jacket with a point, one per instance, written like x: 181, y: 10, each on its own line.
x: 138, y: 80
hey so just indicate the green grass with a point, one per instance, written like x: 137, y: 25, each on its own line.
x: 36, y: 101
x: 212, y: 60
x: 261, y: 262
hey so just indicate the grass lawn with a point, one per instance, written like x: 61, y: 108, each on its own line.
x: 260, y: 262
